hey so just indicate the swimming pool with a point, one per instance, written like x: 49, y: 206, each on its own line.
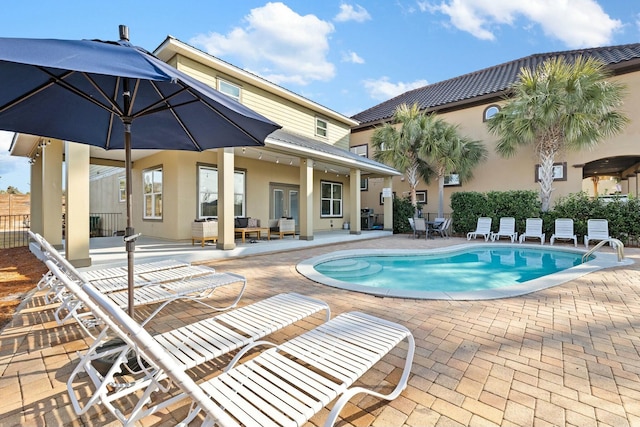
x: 470, y: 271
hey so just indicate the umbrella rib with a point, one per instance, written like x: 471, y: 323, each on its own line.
x: 115, y: 107
x: 33, y: 92
x: 150, y: 109
x: 65, y: 85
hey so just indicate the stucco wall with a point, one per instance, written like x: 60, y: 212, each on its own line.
x: 517, y: 173
x: 180, y: 196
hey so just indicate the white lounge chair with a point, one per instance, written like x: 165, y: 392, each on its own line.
x: 188, y: 346
x: 146, y: 292
x: 564, y: 231
x: 483, y: 228
x: 533, y: 230
x: 506, y: 228
x: 286, y: 384
x: 597, y: 229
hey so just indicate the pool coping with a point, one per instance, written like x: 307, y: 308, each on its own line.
x: 600, y: 261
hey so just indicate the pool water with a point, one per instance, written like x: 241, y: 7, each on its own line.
x: 462, y: 271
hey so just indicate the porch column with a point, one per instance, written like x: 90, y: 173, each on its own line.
x: 306, y: 199
x: 388, y: 205
x: 633, y: 185
x: 52, y: 192
x: 35, y: 208
x: 354, y: 209
x: 226, y: 234
x: 77, y: 214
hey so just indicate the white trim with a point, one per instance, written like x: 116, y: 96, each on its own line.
x: 292, y: 149
x: 172, y: 46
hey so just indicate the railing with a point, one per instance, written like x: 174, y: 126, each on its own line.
x: 13, y: 229
x: 105, y: 224
x: 616, y: 244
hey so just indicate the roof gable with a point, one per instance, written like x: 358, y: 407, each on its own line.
x: 489, y: 81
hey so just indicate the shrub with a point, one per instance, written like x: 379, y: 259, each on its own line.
x: 402, y: 210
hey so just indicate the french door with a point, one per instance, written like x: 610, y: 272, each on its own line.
x: 285, y: 202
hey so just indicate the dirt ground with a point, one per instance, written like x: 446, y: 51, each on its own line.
x: 20, y: 271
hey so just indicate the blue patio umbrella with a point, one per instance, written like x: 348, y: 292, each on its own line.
x: 117, y: 96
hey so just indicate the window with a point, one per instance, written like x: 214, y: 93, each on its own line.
x: 364, y: 184
x: 122, y: 189
x: 321, y: 127
x: 152, y: 193
x: 452, y: 179
x: 360, y: 150
x: 489, y: 112
x: 421, y: 196
x: 559, y: 172
x: 330, y: 199
x: 382, y: 198
x: 229, y: 89
x: 208, y: 192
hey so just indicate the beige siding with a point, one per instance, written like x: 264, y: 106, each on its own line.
x: 290, y: 116
x: 517, y: 173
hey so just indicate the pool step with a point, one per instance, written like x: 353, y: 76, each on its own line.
x: 346, y: 268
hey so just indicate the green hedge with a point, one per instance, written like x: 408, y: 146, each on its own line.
x: 402, y: 209
x: 623, y: 215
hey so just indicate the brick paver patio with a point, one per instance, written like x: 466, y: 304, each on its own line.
x: 565, y: 356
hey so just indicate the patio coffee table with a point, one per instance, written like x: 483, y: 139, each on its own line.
x: 248, y: 230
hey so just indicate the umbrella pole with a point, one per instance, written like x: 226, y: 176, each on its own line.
x: 129, y: 233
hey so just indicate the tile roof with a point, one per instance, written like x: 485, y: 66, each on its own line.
x: 489, y: 81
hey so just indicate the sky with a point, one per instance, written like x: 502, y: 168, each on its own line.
x: 345, y: 55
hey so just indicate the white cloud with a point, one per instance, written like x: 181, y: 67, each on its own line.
x: 383, y: 89
x: 279, y: 44
x: 578, y: 23
x: 352, y: 57
x: 351, y: 13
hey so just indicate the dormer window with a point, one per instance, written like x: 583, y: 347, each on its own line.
x: 321, y: 127
x: 229, y: 89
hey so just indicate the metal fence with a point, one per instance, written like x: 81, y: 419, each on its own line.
x: 105, y: 224
x: 13, y: 231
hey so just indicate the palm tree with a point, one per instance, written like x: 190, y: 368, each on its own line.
x: 447, y: 152
x: 399, y: 146
x: 559, y: 106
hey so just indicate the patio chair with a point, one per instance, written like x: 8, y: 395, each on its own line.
x: 283, y: 385
x: 563, y: 231
x: 440, y: 226
x: 533, y: 230
x: 420, y: 227
x: 282, y: 227
x: 483, y: 228
x: 506, y: 228
x: 413, y: 227
x: 129, y: 386
x: 597, y: 229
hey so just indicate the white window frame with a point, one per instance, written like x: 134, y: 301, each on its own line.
x: 122, y: 189
x: 322, y: 127
x: 331, y: 200
x: 223, y: 84
x: 151, y: 194
x: 489, y: 112
x: 360, y: 150
x: 239, y: 190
